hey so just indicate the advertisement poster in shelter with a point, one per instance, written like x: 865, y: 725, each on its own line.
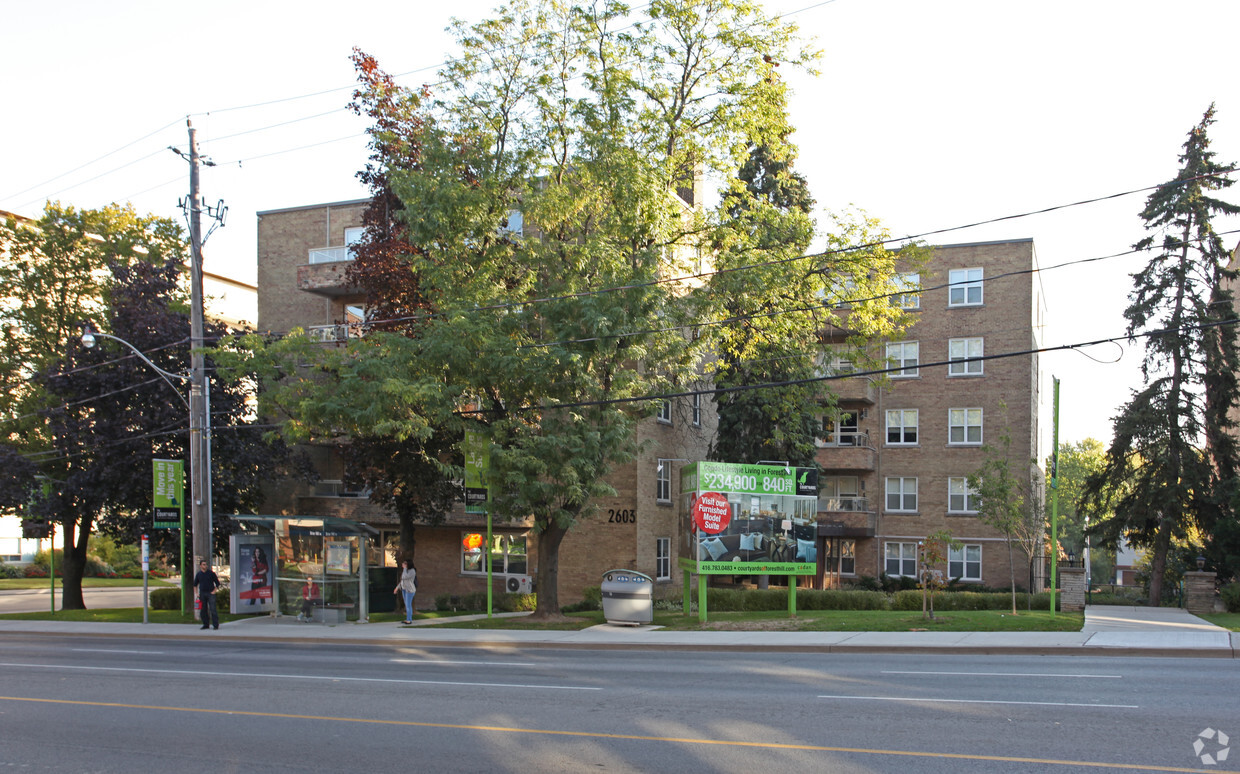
x: 253, y: 573
x: 742, y: 519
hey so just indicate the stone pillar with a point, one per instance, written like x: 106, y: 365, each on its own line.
x: 1071, y: 589
x: 1199, y: 592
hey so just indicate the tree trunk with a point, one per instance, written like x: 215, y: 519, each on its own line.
x: 1012, y: 575
x: 73, y: 566
x: 407, y: 540
x: 549, y: 540
x: 1158, y: 562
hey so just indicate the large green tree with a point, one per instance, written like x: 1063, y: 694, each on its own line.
x: 1078, y: 461
x: 550, y: 339
x: 91, y: 420
x: 1171, y: 467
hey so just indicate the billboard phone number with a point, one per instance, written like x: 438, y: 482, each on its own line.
x: 732, y: 482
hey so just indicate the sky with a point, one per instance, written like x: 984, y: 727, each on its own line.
x: 926, y: 115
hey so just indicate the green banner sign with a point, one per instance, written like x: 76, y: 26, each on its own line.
x: 169, y: 494
x: 477, y: 461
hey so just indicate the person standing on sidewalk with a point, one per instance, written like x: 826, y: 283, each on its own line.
x: 407, y: 587
x: 206, y: 582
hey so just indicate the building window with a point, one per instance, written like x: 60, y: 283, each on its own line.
x: 902, y: 427
x: 663, y: 481
x: 964, y: 426
x: 901, y: 559
x: 840, y: 493
x: 902, y: 493
x: 697, y: 410
x: 961, y: 498
x: 910, y: 284
x: 842, y: 430
x: 353, y: 236
x: 966, y: 287
x: 665, y: 412
x: 904, y: 355
x: 958, y: 353
x: 508, y: 554
x: 662, y: 558
x: 965, y: 562
x: 842, y: 559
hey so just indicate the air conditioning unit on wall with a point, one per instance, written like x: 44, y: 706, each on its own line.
x: 519, y: 584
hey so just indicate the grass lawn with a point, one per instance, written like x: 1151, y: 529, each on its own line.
x: 1225, y: 620
x: 87, y: 583
x: 822, y: 621
x: 114, y: 615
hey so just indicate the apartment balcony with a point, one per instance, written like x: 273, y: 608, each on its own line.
x: 854, y: 389
x: 847, y: 450
x: 324, y: 274
x: 852, y: 524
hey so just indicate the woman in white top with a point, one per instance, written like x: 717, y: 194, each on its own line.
x: 407, y: 587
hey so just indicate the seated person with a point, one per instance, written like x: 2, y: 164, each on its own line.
x: 310, y: 599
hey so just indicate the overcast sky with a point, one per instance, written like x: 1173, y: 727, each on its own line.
x: 928, y: 115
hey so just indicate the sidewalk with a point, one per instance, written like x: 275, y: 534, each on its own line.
x: 1108, y: 631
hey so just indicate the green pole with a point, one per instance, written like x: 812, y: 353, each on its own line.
x: 489, y: 579
x: 51, y: 563
x: 701, y: 598
x: 1055, y: 503
x: 185, y: 579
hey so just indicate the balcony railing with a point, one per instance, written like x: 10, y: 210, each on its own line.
x: 845, y: 504
x: 845, y: 438
x: 329, y: 254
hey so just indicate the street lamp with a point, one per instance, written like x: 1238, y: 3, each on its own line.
x: 199, y: 442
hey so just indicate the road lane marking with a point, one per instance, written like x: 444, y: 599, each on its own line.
x: 1003, y: 674
x: 925, y: 700
x: 602, y: 735
x: 328, y: 678
x: 113, y: 650
x: 467, y: 663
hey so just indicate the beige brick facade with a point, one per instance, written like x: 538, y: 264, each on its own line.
x: 1006, y: 319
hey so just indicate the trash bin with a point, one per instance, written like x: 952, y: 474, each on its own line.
x: 628, y: 597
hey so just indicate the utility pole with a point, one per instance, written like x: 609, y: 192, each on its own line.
x: 199, y: 397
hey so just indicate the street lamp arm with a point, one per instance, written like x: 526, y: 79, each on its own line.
x: 88, y: 341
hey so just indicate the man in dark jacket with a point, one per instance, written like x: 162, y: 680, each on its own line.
x: 206, y: 582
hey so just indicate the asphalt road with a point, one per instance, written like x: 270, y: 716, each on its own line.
x: 36, y: 600
x: 121, y: 704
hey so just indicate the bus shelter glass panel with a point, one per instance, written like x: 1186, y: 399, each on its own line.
x: 322, y: 562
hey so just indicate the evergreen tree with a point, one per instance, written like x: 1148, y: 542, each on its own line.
x: 1171, y: 467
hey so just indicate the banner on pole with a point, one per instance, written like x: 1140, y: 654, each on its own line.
x: 168, y: 494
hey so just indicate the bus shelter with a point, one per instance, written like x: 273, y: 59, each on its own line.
x: 747, y: 520
x: 273, y: 558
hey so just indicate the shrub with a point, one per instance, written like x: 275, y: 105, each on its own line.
x: 971, y: 600
x: 165, y: 599
x: 1231, y: 597
x: 841, y: 599
x: 34, y: 571
x: 9, y: 571
x: 513, y: 603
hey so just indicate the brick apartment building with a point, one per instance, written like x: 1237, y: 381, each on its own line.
x: 302, y: 257
x: 895, y: 465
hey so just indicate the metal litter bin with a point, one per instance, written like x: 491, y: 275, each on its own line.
x: 628, y: 597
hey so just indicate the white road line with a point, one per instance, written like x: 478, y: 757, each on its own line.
x: 111, y: 650
x: 1003, y: 674
x: 305, y: 677
x: 925, y: 700
x: 468, y: 663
